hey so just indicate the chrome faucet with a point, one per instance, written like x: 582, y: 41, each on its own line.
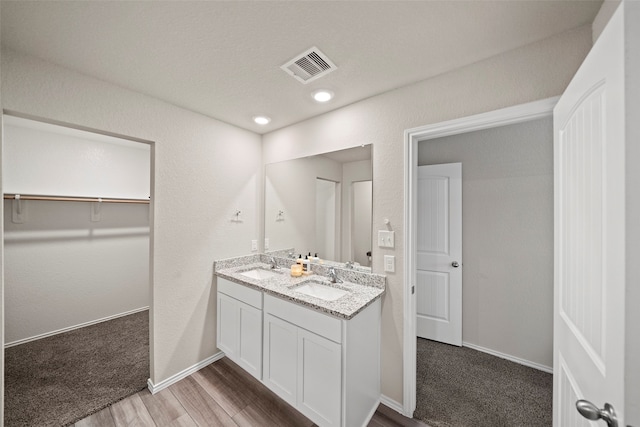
x: 333, y: 276
x: 274, y: 263
x: 349, y: 264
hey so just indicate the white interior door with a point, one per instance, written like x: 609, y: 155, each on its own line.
x: 326, y: 225
x: 362, y: 192
x: 439, y: 253
x: 589, y: 175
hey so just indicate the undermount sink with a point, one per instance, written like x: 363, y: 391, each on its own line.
x: 260, y: 274
x: 320, y: 290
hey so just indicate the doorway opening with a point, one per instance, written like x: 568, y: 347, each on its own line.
x: 415, y: 155
x: 77, y: 231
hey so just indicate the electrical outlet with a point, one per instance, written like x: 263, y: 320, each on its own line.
x: 266, y: 243
x: 386, y: 239
x: 254, y: 245
x: 389, y: 263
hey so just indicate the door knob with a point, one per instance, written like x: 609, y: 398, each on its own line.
x: 591, y: 412
x: 455, y: 264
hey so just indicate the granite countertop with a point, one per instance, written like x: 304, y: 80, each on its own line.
x: 346, y: 307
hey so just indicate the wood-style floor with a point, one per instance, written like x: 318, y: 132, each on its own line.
x: 221, y: 394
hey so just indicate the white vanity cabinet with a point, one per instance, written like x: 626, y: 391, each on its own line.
x: 327, y: 367
x: 324, y: 366
x: 239, y: 325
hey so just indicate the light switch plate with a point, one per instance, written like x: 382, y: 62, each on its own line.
x: 254, y: 245
x: 386, y: 239
x: 266, y: 243
x: 389, y: 263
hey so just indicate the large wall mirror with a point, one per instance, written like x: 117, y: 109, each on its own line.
x: 321, y: 204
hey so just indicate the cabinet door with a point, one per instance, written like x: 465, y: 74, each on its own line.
x: 249, y: 350
x: 280, y: 357
x: 319, y: 378
x: 227, y: 327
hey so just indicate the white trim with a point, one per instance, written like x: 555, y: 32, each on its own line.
x: 409, y: 302
x: 71, y: 328
x: 492, y: 119
x: 392, y: 404
x: 371, y: 414
x: 155, y: 388
x: 509, y: 357
x: 506, y: 116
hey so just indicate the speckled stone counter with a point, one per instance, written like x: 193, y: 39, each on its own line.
x: 364, y: 288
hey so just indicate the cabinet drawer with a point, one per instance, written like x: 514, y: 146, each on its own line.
x: 242, y: 293
x: 306, y: 318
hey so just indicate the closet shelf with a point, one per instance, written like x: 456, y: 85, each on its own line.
x: 73, y: 199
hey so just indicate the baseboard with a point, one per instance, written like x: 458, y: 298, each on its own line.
x: 392, y: 404
x: 371, y: 414
x: 515, y: 359
x: 154, y: 388
x: 71, y: 328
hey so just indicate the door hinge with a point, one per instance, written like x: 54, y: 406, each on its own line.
x: 413, y: 290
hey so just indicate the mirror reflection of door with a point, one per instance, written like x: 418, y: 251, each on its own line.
x: 361, y: 222
x: 290, y: 204
x: 327, y: 224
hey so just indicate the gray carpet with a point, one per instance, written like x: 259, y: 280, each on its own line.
x: 458, y: 386
x: 58, y: 380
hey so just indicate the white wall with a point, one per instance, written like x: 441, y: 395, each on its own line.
x: 203, y: 170
x: 507, y: 235
x: 291, y: 187
x: 536, y: 71
x: 62, y: 270
x: 45, y: 159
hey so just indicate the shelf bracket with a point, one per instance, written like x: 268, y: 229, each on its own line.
x: 17, y: 210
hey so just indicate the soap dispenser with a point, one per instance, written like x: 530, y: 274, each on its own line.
x: 306, y: 265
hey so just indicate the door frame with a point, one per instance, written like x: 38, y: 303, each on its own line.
x: 492, y: 119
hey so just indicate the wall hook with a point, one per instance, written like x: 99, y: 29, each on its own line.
x: 96, y: 210
x: 280, y: 216
x: 18, y: 213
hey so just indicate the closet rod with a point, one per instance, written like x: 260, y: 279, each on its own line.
x: 74, y: 199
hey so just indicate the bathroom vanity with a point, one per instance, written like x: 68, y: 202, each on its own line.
x: 314, y: 343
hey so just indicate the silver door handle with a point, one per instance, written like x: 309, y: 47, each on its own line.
x: 455, y: 264
x: 591, y: 412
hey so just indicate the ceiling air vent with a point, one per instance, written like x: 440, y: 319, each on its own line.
x: 309, y: 66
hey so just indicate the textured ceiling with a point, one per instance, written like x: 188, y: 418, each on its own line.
x: 222, y: 59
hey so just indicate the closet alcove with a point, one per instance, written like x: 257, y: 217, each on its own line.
x: 76, y: 270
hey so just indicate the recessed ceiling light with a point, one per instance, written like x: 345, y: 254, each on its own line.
x: 322, y: 95
x: 261, y: 120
